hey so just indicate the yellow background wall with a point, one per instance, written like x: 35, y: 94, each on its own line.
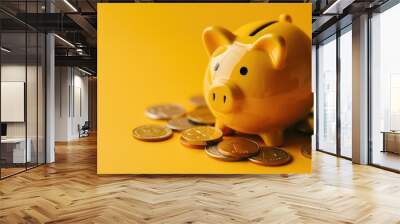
x: 152, y: 53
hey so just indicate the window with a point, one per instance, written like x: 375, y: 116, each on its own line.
x: 385, y: 89
x: 334, y: 94
x: 345, y: 92
x: 327, y: 95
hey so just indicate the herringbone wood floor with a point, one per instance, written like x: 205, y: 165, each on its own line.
x: 69, y: 191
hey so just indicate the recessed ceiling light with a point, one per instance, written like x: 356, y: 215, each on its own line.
x: 5, y: 50
x: 64, y: 40
x: 337, y: 7
x: 70, y: 5
x: 84, y: 71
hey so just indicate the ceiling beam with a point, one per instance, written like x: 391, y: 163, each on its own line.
x: 81, y: 61
x: 84, y: 24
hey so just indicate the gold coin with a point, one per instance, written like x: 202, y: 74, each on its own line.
x: 193, y: 145
x: 212, y: 151
x: 271, y: 156
x: 179, y: 124
x: 164, y: 111
x: 201, y: 115
x: 306, y: 151
x: 152, y: 133
x: 198, y: 100
x: 238, y: 147
x: 251, y: 137
x: 202, y: 134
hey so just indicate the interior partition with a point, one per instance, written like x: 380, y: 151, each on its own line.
x: 22, y: 78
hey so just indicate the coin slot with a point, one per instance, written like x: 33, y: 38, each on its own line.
x: 260, y: 28
x: 224, y: 99
x: 213, y: 96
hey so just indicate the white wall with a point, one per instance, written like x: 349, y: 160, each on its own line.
x: 62, y: 81
x: 13, y: 101
x: 12, y: 73
x: 16, y: 73
x: 33, y: 127
x: 71, y: 102
x: 81, y: 102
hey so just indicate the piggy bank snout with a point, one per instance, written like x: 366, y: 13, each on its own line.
x: 222, y: 97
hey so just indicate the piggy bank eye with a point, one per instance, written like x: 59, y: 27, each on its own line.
x: 216, y: 67
x: 243, y: 70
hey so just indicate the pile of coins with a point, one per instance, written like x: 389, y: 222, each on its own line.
x: 197, y: 132
x: 239, y: 148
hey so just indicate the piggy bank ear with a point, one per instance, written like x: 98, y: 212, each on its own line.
x: 275, y: 47
x: 214, y: 37
x: 285, y: 18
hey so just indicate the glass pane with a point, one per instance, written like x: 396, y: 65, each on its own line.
x: 41, y: 98
x: 13, y: 89
x: 31, y: 88
x: 346, y: 94
x: 385, y: 84
x: 23, y: 90
x: 32, y: 95
x: 327, y: 96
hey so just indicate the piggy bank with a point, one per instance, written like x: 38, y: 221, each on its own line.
x: 258, y: 80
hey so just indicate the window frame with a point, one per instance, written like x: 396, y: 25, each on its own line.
x: 336, y: 35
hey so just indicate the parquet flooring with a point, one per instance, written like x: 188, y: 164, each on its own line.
x: 69, y: 191
x: 10, y: 171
